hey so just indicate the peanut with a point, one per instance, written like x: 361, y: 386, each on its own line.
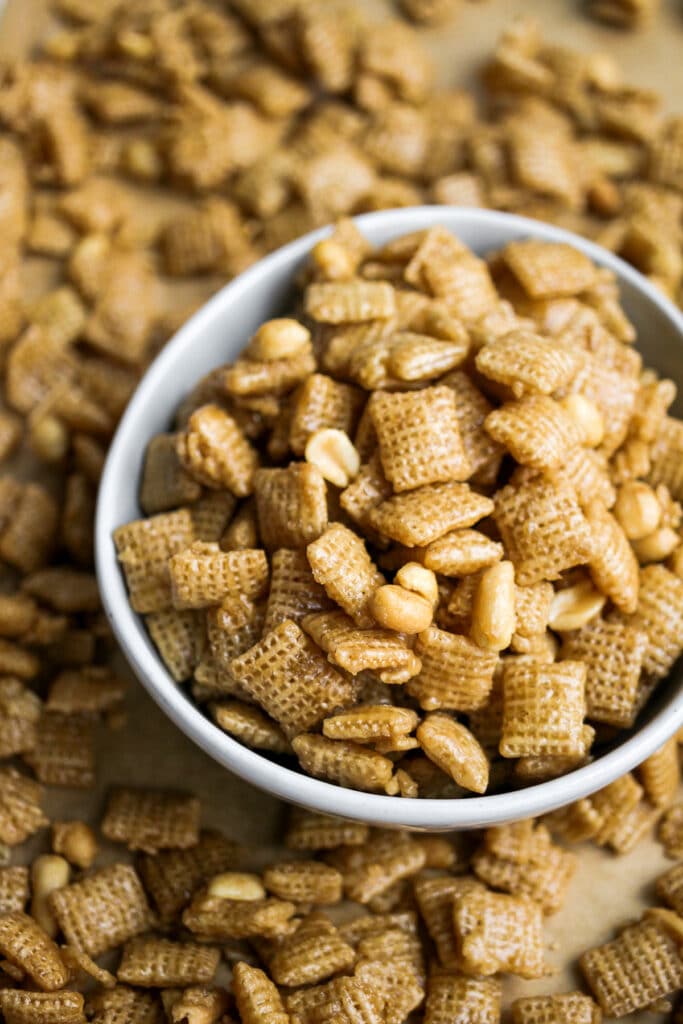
x: 237, y: 885
x: 414, y: 577
x: 48, y: 872
x: 49, y: 438
x: 334, y: 454
x: 587, y: 418
x: 676, y: 561
x: 76, y: 841
x: 493, y: 608
x: 657, y: 546
x: 333, y: 261
x: 574, y: 607
x: 402, y: 610
x: 637, y: 510
x: 278, y: 339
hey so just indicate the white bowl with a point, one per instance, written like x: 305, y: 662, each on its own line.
x: 214, y: 336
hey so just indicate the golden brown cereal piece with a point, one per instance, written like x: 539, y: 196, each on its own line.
x: 215, y: 452
x: 587, y: 471
x: 549, y: 269
x: 543, y: 528
x: 14, y: 888
x: 152, y: 962
x: 294, y: 593
x: 64, y: 753
x: 347, y: 764
x: 165, y: 484
x: 535, y: 430
x: 22, y: 1007
x: 121, y: 321
x: 370, y: 723
x: 462, y: 552
x: 144, y: 548
x: 20, y: 710
x: 304, y: 881
x: 123, y: 1005
x: 435, y: 897
x: 419, y: 437
x: 455, y: 750
x: 291, y: 505
x: 629, y: 14
x: 90, y: 689
x: 633, y: 826
x: 96, y: 207
x: 27, y: 539
x: 211, y: 514
x: 391, y: 963
x: 543, y: 709
x: 527, y: 363
x: 419, y: 357
x: 340, y: 562
x: 544, y: 877
x: 255, y: 378
x: 567, y: 1008
x: 456, y: 674
x: 231, y: 630
x: 151, y: 820
x: 313, y: 953
x: 103, y: 910
x: 613, y: 654
x: 665, y: 455
x: 10, y: 434
x: 612, y: 563
x: 369, y: 489
x: 660, y: 774
x: 77, y: 519
x: 427, y: 513
x: 20, y: 812
x: 64, y: 589
x: 179, y: 638
x: 451, y: 995
x: 216, y: 919
x: 349, y: 302
x: 670, y: 832
x: 242, y: 531
x: 258, y: 1000
x: 310, y: 831
x: 288, y: 675
x: 358, y: 650
x: 385, y: 859
x: 171, y: 876
x: 660, y: 615
x: 203, y: 575
x: 24, y: 943
x: 641, y: 965
x: 496, y: 932
x: 669, y: 887
x: 16, y: 661
x: 250, y: 726
x: 75, y: 841
x: 322, y: 402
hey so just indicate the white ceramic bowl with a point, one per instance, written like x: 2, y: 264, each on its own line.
x: 214, y: 336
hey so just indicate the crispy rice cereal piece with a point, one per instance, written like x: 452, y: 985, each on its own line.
x: 544, y: 878
x: 27, y: 540
x: 347, y: 764
x: 20, y: 812
x: 291, y: 505
x: 288, y: 675
x: 171, y: 876
x: 152, y: 820
x: 536, y: 431
x: 452, y: 997
x: 549, y: 269
x: 567, y: 1008
x: 203, y: 575
x: 343, y: 302
x: 669, y: 887
x: 250, y: 726
x: 358, y: 650
x: 455, y: 750
x: 165, y: 484
x: 14, y: 888
x: 64, y: 753
x: 294, y: 593
x: 638, y: 967
x: 340, y: 562
x: 496, y: 932
x: 218, y: 919
x: 542, y: 527
x: 435, y: 899
x: 612, y: 563
x: 215, y: 452
x: 666, y: 455
x: 313, y: 953
x: 660, y: 615
x: 152, y: 962
x: 385, y: 859
x: 670, y: 832
x: 613, y: 654
x: 179, y: 638
x: 419, y: 437
x: 24, y: 943
x: 456, y: 674
x: 103, y: 910
x: 21, y: 1007
x: 304, y: 881
x: 660, y: 774
x: 462, y: 552
x: 20, y: 710
x: 543, y: 709
x: 123, y: 1005
x: 427, y: 513
x: 322, y: 402
x: 307, y: 830
x: 144, y: 548
x: 258, y: 1000
x: 528, y: 363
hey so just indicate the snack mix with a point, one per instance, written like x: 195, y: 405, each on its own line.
x: 439, y: 501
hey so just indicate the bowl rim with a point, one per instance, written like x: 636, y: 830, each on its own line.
x: 286, y: 783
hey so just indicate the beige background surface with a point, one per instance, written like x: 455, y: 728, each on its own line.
x: 607, y: 891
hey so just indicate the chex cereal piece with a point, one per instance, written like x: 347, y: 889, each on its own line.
x: 587, y: 471
x: 521, y: 842
x: 455, y: 750
x: 358, y: 650
x: 345, y: 1000
x: 322, y: 402
x: 435, y: 899
x: 427, y: 513
x: 24, y: 943
x: 612, y: 563
x: 254, y: 377
x: 308, y: 830
x: 461, y: 552
x: 340, y: 562
x: 638, y: 967
x: 535, y: 430
x: 152, y: 820
x: 64, y: 753
x: 86, y: 690
x: 343, y: 762
x: 20, y: 710
x: 527, y: 363
x: 670, y: 831
x: 371, y: 923
x: 21, y: 1007
x: 576, y: 822
x: 103, y: 910
x: 171, y: 876
x: 152, y: 962
x: 211, y: 514
x: 17, y: 661
x: 631, y: 827
x: 215, y: 452
x: 496, y: 932
x: 613, y: 804
x: 291, y: 505
x: 14, y: 888
x: 304, y: 881
x: 543, y: 528
x: 368, y: 490
x: 660, y: 615
x: 250, y: 726
x: 144, y: 548
x: 549, y: 269
x: 452, y: 996
x: 203, y: 575
x: 391, y: 963
x: 123, y: 1005
x: 419, y: 437
x: 544, y: 878
x: 217, y: 919
x: 20, y: 812
x: 384, y: 860
x: 532, y: 610
x: 613, y: 654
x: 370, y: 723
x: 567, y: 1008
x: 165, y: 484
x: 543, y: 709
x: 258, y: 1000
x: 666, y: 455
x: 456, y: 674
x: 289, y: 676
x: 660, y: 774
x: 472, y: 408
x: 27, y: 539
x: 313, y: 953
x: 179, y: 637
x: 670, y: 887
x: 349, y: 302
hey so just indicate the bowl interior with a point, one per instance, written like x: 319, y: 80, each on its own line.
x: 214, y: 336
